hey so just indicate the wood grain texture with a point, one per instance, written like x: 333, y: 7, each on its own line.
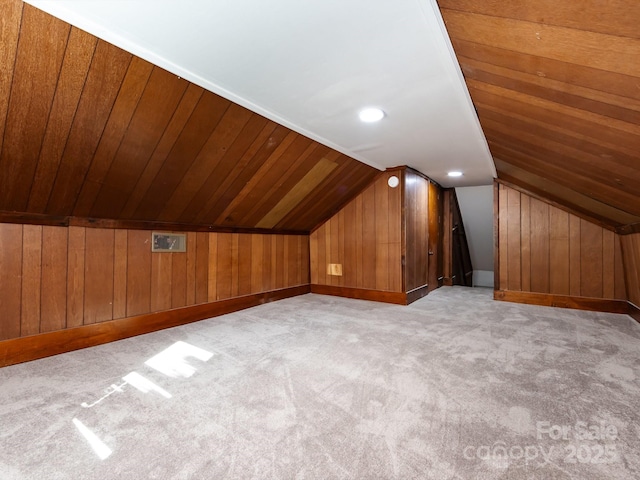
x: 224, y: 270
x: 586, y: 207
x: 555, y: 88
x: 291, y: 179
x: 579, y: 46
x: 525, y: 242
x: 383, y: 218
x: 132, y: 87
x: 563, y: 254
x: 608, y: 268
x: 559, y: 252
x: 398, y: 298
x: 33, y: 89
x: 613, y: 18
x: 416, y: 230
x: 257, y: 258
x: 138, y: 273
x: 631, y: 258
x: 212, y: 267
x: 235, y: 265
x: 203, y: 263
x: 216, y: 181
x: 591, y: 281
x: 230, y: 122
x: 53, y: 299
x: 280, y: 265
x: 396, y: 281
x: 10, y: 280
x: 89, y: 131
x: 564, y: 301
x: 298, y: 264
x: 120, y: 274
x: 161, y: 266
x: 575, y: 255
x: 73, y: 73
x: 369, y: 220
x: 98, y: 275
x: 303, y: 260
x: 299, y: 191
x: 152, y: 114
x: 183, y: 112
x: 9, y: 33
x: 65, y: 277
x: 31, y: 279
x: 191, y: 269
x: 540, y: 236
x: 30, y: 103
x: 39, y: 346
x: 619, y: 270
x: 375, y: 235
x: 278, y: 176
x: 75, y: 276
x: 514, y: 273
x: 100, y: 91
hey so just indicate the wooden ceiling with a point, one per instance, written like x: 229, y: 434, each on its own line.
x: 557, y: 88
x: 88, y: 130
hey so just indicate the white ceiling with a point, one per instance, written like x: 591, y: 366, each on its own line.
x: 311, y: 66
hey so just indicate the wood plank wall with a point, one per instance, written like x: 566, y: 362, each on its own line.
x: 61, y: 277
x: 436, y: 237
x: 366, y: 238
x: 631, y: 255
x: 417, y: 213
x: 90, y: 131
x: 544, y: 249
x: 555, y: 85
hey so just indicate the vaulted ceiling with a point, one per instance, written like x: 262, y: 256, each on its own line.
x: 556, y: 85
x: 90, y: 130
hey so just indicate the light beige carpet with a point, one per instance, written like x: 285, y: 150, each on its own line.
x: 455, y: 386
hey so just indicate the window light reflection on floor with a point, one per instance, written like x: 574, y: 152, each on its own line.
x: 98, y: 446
x: 144, y: 384
x: 171, y: 361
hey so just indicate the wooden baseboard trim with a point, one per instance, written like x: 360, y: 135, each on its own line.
x: 563, y: 301
x: 24, y: 349
x: 398, y: 298
x: 447, y: 282
x: 634, y: 312
x: 417, y: 294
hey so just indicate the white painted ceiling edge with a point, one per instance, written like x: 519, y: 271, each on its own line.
x: 311, y: 66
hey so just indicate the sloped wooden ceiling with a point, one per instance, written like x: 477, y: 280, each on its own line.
x: 557, y: 88
x: 88, y: 130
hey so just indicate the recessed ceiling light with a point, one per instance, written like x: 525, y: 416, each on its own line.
x: 455, y: 173
x: 371, y: 115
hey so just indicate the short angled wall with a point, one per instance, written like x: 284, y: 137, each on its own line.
x: 544, y: 249
x: 548, y: 256
x: 33, y: 347
x: 68, y: 287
